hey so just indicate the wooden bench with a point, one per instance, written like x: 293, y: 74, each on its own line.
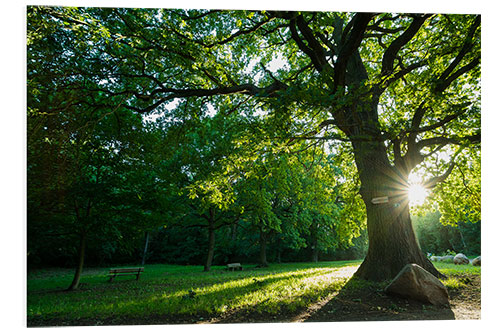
x: 114, y: 272
x: 234, y: 266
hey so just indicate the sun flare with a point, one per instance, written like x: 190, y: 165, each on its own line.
x: 417, y: 194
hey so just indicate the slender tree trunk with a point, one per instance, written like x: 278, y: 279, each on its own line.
x: 211, y: 249
x: 211, y: 241
x: 314, y: 243
x: 315, y: 255
x: 263, y: 248
x: 462, y: 238
x: 81, y: 258
x: 278, y: 250
x: 392, y: 241
x: 234, y: 230
x: 145, y: 249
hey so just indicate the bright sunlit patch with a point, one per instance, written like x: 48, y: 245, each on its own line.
x: 417, y: 194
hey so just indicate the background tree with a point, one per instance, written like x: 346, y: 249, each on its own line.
x: 88, y: 178
x: 439, y: 239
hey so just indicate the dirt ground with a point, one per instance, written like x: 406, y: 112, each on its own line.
x: 374, y: 305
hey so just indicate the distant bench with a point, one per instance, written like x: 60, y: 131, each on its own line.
x: 114, y: 272
x: 234, y: 266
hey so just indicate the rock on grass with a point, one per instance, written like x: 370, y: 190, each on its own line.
x: 416, y: 283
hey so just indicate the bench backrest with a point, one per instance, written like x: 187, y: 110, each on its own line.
x: 126, y: 270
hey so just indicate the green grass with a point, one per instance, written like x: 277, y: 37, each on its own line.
x: 451, y: 269
x: 172, y: 290
x: 168, y: 290
x: 455, y: 273
x: 453, y: 283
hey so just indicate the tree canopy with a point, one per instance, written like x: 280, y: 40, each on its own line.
x: 264, y: 114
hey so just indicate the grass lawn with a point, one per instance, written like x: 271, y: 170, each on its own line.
x: 172, y: 293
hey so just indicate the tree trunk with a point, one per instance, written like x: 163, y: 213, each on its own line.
x: 314, y: 243
x: 211, y: 241
x: 278, y: 251
x: 145, y: 249
x: 462, y: 238
x: 392, y: 241
x: 234, y: 247
x: 81, y: 258
x: 211, y: 249
x: 263, y: 248
x: 315, y: 255
x: 234, y: 229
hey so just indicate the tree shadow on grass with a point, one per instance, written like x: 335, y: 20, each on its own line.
x: 360, y: 300
x: 192, y: 304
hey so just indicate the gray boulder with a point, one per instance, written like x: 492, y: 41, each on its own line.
x: 460, y: 259
x: 448, y: 258
x: 416, y: 283
x: 476, y: 261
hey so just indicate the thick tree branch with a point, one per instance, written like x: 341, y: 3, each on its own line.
x: 240, y: 33
x: 415, y: 124
x: 398, y: 43
x: 318, y: 65
x: 435, y: 150
x: 431, y: 183
x: 246, y: 89
x: 445, y: 82
x: 231, y: 37
x: 464, y: 50
x: 413, y: 155
x: 441, y: 123
x: 315, y: 46
x: 352, y: 42
x: 318, y: 138
x: 387, y: 81
x: 440, y: 140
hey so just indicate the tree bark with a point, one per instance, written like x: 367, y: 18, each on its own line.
x: 314, y: 243
x: 145, y: 249
x: 392, y: 240
x: 263, y: 248
x: 232, y: 254
x: 462, y: 238
x: 315, y: 255
x: 81, y: 258
x: 278, y: 251
x: 211, y: 241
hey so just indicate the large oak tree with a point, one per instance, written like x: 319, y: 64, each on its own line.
x: 397, y: 89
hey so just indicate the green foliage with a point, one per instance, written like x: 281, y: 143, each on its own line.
x: 460, y: 196
x: 238, y: 146
x: 439, y: 239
